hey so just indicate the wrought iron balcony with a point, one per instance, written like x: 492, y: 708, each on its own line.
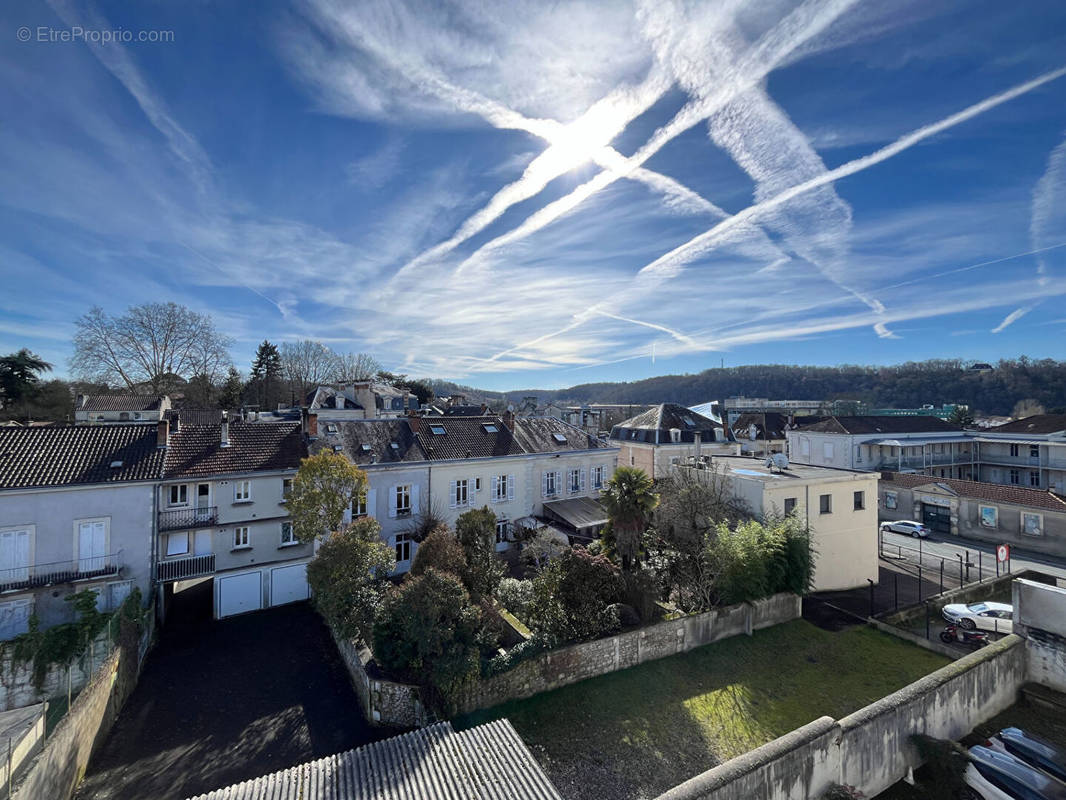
x: 179, y: 569
x: 186, y: 518
x: 48, y: 574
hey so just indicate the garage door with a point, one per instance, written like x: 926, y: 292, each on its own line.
x: 288, y: 584
x: 240, y: 593
x: 937, y: 518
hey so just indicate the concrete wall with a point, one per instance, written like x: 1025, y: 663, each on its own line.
x: 1040, y: 618
x: 16, y: 677
x: 392, y: 703
x: 58, y: 770
x: 52, y: 516
x: 21, y: 737
x: 870, y: 749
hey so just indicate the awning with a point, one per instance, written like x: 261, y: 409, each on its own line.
x: 578, y: 512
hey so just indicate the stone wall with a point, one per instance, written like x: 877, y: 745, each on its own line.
x: 870, y: 749
x: 388, y: 702
x: 16, y: 677
x: 58, y: 770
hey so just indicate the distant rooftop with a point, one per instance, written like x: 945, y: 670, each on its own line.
x: 872, y: 424
x: 756, y: 469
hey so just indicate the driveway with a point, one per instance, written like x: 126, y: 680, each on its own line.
x: 222, y: 702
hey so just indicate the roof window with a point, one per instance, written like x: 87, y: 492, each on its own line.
x: 394, y: 446
x: 559, y: 438
x: 366, y: 448
x: 438, y: 430
x: 116, y: 464
x: 490, y: 427
x: 331, y: 427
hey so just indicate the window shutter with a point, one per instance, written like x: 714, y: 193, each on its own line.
x: 392, y: 501
x: 495, y: 487
x: 371, y: 502
x: 581, y: 479
x: 510, y: 487
x: 544, y: 484
x: 452, y: 499
x: 559, y: 482
x: 414, y: 498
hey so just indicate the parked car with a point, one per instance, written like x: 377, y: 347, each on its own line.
x: 987, y: 616
x: 1000, y: 776
x: 1031, y: 749
x: 909, y: 527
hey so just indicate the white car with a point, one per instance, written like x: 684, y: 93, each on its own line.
x: 909, y: 527
x: 986, y: 616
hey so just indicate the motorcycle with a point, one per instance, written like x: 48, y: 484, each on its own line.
x: 954, y: 634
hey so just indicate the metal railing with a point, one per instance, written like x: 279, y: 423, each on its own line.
x: 179, y: 569
x: 34, y: 575
x: 185, y: 518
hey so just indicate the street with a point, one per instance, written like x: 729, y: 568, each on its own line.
x: 938, y: 546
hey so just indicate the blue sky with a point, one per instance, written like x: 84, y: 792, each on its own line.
x: 533, y: 194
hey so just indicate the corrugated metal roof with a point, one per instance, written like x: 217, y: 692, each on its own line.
x: 489, y: 762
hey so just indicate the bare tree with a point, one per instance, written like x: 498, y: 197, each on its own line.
x: 351, y: 367
x: 150, y: 346
x: 307, y: 364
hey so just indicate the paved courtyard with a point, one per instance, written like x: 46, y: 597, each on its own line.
x: 221, y: 702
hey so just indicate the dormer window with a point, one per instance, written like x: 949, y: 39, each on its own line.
x: 366, y: 448
x: 558, y: 437
x: 337, y: 448
x: 490, y: 427
x: 331, y: 427
x: 438, y: 430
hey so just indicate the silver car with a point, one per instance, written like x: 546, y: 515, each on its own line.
x: 909, y: 527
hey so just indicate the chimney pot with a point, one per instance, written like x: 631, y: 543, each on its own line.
x: 225, y: 430
x: 162, y: 433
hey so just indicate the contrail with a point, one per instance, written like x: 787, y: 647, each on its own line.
x: 956, y: 270
x: 1013, y: 317
x: 686, y: 340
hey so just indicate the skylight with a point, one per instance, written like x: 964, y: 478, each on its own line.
x: 366, y: 448
x: 331, y: 427
x: 559, y: 438
x: 116, y: 464
x: 438, y: 430
x: 394, y: 446
x: 489, y: 427
x: 688, y: 421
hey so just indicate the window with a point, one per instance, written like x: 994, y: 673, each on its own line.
x: 288, y: 536
x: 632, y: 460
x: 597, y: 477
x: 240, y: 537
x: 15, y: 617
x: 1034, y: 451
x: 1034, y: 478
x: 890, y: 500
x: 242, y: 491
x: 860, y: 500
x: 1032, y: 524
x: 438, y: 430
x: 489, y: 427
x: 359, y: 506
x: 1015, y: 477
x: 15, y: 554
x: 989, y: 516
x: 92, y: 544
x: 113, y: 595
x: 1014, y: 451
x: 403, y: 500
x: 805, y: 447
x: 558, y: 437
x: 503, y: 488
x: 460, y: 495
x: 825, y: 504
x: 286, y: 488
x: 177, y: 544
x: 477, y: 484
x: 790, y: 505
x: 827, y: 451
x: 178, y: 495
x: 551, y: 484
x: 403, y: 547
x: 501, y: 530
x: 574, y: 481
x: 331, y: 427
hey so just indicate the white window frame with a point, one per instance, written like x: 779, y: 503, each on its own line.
x: 1039, y: 523
x: 402, y: 496
x: 91, y: 563
x: 176, y: 537
x: 503, y: 488
x: 1015, y: 477
x: 794, y: 501
x: 551, y: 483
x: 1033, y: 473
x: 573, y: 481
x: 290, y: 539
x: 597, y: 477
x: 242, y: 538
x: 18, y: 571
x: 401, y: 542
x: 360, y: 505
x: 460, y: 493
x: 242, y: 491
x: 502, y: 526
x: 286, y: 489
x: 822, y: 497
x: 182, y: 491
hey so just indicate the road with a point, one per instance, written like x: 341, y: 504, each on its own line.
x: 939, y: 546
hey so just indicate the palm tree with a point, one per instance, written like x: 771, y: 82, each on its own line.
x: 629, y: 500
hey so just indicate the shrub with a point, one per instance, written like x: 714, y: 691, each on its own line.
x: 572, y: 594
x: 440, y: 550
x: 429, y: 631
x: 476, y: 531
x: 348, y: 575
x: 502, y: 662
x: 515, y: 595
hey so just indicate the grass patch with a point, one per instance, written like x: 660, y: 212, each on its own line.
x: 637, y: 732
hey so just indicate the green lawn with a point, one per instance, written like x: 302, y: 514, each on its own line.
x: 637, y: 732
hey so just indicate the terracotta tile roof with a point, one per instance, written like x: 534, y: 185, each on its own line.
x: 854, y: 425
x: 196, y: 450
x: 71, y: 455
x: 979, y: 490
x: 119, y: 402
x: 1041, y: 423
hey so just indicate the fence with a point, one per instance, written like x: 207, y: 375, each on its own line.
x: 946, y: 572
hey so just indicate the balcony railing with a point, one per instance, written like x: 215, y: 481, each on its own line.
x: 185, y: 518
x: 48, y: 574
x: 179, y: 569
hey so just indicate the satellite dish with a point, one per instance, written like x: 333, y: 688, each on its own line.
x: 778, y: 461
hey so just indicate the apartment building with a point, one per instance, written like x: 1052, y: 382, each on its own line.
x: 222, y: 513
x: 361, y: 400
x: 76, y: 513
x: 1029, y: 452
x: 667, y: 435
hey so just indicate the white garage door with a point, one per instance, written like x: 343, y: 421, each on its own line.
x: 288, y: 584
x: 240, y: 593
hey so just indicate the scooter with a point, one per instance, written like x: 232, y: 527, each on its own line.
x: 953, y: 633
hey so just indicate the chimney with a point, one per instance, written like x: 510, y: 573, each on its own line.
x: 484, y: 409
x: 225, y: 430
x: 508, y: 418
x: 726, y: 432
x: 162, y: 433
x: 312, y: 424
x: 176, y: 423
x: 699, y: 438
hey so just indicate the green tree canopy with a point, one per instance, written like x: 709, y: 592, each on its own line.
x: 322, y: 491
x: 19, y: 374
x: 572, y: 595
x: 630, y: 500
x: 348, y: 576
x: 440, y: 550
x: 476, y: 532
